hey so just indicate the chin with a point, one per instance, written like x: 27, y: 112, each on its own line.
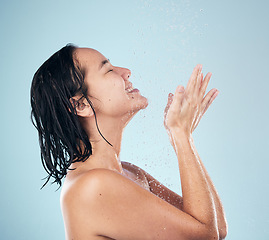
x: 139, y: 105
x: 142, y: 103
x: 146, y: 103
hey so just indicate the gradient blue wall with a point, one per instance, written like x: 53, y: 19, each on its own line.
x: 161, y: 42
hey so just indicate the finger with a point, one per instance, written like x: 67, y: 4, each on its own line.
x: 193, y: 79
x: 170, y: 100
x: 198, y: 83
x: 205, y: 84
x: 201, y: 79
x: 177, y: 100
x: 209, y: 98
x: 205, y: 107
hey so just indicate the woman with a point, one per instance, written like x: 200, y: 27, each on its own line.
x: 80, y: 105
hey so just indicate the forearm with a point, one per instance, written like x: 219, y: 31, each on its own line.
x: 197, y: 197
x: 221, y: 220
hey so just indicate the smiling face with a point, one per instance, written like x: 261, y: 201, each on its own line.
x: 109, y: 87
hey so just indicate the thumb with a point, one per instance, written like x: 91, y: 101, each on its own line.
x: 170, y: 100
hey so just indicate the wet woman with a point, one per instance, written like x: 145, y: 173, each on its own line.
x: 81, y: 104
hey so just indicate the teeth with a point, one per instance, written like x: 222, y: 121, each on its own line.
x: 129, y: 89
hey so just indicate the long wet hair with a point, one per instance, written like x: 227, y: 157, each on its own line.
x: 62, y: 140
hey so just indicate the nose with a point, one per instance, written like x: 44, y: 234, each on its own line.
x: 124, y: 72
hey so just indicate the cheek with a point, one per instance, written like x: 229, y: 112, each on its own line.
x: 108, y: 90
x: 114, y: 93
x: 114, y: 100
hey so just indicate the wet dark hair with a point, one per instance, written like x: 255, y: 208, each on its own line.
x: 62, y: 140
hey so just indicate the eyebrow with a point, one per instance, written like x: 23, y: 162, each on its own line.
x: 103, y: 63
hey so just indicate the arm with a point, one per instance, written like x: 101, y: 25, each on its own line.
x: 155, y: 186
x: 221, y: 220
x: 163, y: 192
x: 206, y: 102
x: 176, y: 200
x: 192, y: 105
x: 198, y: 200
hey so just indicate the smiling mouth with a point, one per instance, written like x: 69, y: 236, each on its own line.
x: 134, y: 91
x: 131, y: 90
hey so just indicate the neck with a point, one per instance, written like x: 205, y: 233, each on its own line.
x: 103, y: 154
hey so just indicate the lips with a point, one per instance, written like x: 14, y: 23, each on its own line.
x: 130, y: 89
x: 134, y: 90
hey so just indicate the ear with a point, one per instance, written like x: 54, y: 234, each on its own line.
x: 83, y: 108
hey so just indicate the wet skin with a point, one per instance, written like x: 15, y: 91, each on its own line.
x: 105, y: 198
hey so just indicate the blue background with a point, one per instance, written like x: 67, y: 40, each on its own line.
x: 161, y: 42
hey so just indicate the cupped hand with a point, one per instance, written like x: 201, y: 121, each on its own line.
x: 186, y: 107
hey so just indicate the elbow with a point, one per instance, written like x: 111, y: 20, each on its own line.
x: 214, y: 235
x: 222, y: 236
x: 223, y: 232
x: 218, y: 234
x: 211, y: 233
x: 223, y: 229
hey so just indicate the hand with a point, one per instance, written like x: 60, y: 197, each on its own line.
x: 185, y: 109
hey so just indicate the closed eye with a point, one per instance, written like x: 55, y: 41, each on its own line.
x: 110, y: 70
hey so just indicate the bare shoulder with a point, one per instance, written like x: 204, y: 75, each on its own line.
x: 83, y: 199
x: 86, y: 184
x: 113, y: 206
x: 89, y: 186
